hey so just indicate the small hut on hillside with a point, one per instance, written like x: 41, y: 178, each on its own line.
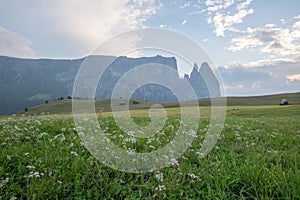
x: 284, y: 102
x: 122, y: 103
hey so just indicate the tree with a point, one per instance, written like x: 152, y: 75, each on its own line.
x: 69, y: 97
x: 46, y: 102
x: 26, y: 109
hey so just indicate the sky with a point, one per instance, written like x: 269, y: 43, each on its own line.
x: 255, y: 44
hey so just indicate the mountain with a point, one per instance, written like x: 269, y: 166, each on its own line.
x: 29, y: 82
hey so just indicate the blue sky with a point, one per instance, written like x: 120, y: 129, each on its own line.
x: 254, y: 43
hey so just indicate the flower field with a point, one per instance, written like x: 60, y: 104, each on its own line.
x: 256, y: 157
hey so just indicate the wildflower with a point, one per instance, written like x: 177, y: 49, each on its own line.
x: 42, y: 135
x: 159, y: 177
x: 17, y: 128
x: 4, y: 182
x: 193, y: 176
x: 192, y: 133
x: 131, y: 152
x: 38, y: 122
x: 174, y: 162
x: 30, y: 167
x: 35, y: 174
x: 160, y: 188
x: 74, y: 153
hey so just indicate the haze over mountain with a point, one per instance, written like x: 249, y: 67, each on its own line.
x: 28, y: 82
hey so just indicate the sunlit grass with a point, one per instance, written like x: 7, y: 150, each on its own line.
x: 256, y: 157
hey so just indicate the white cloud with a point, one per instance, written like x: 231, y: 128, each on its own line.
x: 184, y: 22
x: 297, y: 17
x: 270, y: 25
x: 216, y: 5
x: 224, y: 20
x: 14, y: 45
x: 244, y: 42
x: 257, y: 85
x: 243, y: 5
x: 268, y: 62
x: 293, y: 77
x: 81, y: 25
x: 187, y: 4
x: 94, y: 21
x: 280, y: 42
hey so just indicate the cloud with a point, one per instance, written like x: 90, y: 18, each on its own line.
x: 267, y: 62
x: 280, y: 42
x: 282, y: 21
x: 275, y: 76
x: 184, y: 22
x: 14, y: 45
x: 214, y: 6
x: 224, y: 20
x: 246, y: 42
x: 297, y: 17
x: 94, y: 21
x: 185, y: 5
x: 293, y: 77
x: 79, y: 24
x: 243, y: 5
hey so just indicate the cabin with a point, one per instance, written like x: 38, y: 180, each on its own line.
x: 284, y: 102
x: 122, y: 103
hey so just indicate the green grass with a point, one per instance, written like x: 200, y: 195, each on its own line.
x: 65, y: 106
x: 256, y: 157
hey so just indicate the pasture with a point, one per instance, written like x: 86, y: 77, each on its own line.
x: 256, y: 157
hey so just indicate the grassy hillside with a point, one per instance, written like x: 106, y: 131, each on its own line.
x: 65, y: 106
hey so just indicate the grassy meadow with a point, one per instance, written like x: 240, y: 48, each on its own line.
x: 256, y: 157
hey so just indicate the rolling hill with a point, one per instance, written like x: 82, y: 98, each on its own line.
x: 65, y: 106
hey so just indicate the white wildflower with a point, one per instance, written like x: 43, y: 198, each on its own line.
x: 174, y: 162
x: 74, y: 153
x: 38, y: 122
x: 130, y: 152
x: 4, y: 182
x: 44, y: 134
x: 160, y: 188
x: 159, y: 177
x: 192, y: 133
x: 35, y: 174
x: 130, y: 133
x: 17, y: 128
x: 193, y: 176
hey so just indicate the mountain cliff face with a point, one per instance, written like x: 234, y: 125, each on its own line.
x: 29, y: 82
x: 201, y: 78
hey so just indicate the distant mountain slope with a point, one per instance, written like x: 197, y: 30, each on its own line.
x: 29, y: 82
